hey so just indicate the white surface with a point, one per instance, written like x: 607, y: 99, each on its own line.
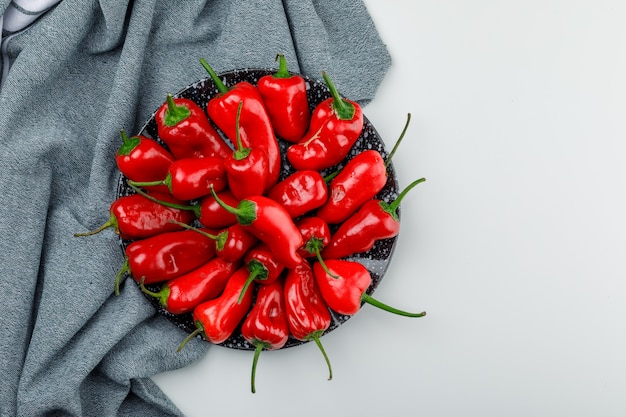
x: 514, y: 245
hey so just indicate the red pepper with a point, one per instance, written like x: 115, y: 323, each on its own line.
x: 345, y: 292
x: 266, y: 325
x: 165, y: 256
x: 246, y: 168
x: 191, y: 178
x: 285, y: 97
x: 255, y: 128
x: 208, y: 212
x: 138, y: 216
x: 300, y: 193
x: 182, y: 294
x: 186, y: 130
x: 307, y: 314
x: 212, y: 214
x: 263, y: 266
x: 231, y: 244
x: 270, y: 223
x: 315, y: 234
x: 374, y: 221
x: 217, y: 319
x: 140, y: 158
x: 359, y: 181
x: 336, y: 124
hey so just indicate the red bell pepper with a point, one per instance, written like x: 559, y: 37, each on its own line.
x: 307, y: 314
x: 165, y: 256
x: 300, y: 193
x: 375, y: 220
x: 140, y: 158
x: 285, y: 97
x: 138, y: 216
x: 270, y: 223
x: 246, y: 168
x: 217, y: 319
x: 191, y: 178
x: 336, y: 124
x: 345, y: 291
x: 185, y: 128
x: 263, y: 266
x: 266, y: 325
x: 359, y: 181
x: 182, y: 294
x: 255, y: 126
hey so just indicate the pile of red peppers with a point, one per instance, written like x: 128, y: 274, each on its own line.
x: 229, y: 241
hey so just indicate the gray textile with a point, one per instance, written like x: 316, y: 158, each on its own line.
x: 82, y: 72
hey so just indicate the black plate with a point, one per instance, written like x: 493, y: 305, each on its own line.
x: 376, y: 260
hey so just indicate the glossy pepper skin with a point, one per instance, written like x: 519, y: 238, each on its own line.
x: 375, y: 220
x: 266, y: 325
x: 182, y: 294
x: 336, y: 124
x: 247, y: 169
x: 315, y: 235
x: 255, y: 126
x: 140, y: 158
x: 137, y: 217
x: 231, y: 244
x: 208, y: 211
x: 185, y: 128
x: 191, y: 178
x: 263, y: 266
x: 300, y: 193
x: 358, y: 181
x: 345, y: 292
x: 285, y: 97
x: 217, y: 319
x: 270, y: 223
x: 307, y: 314
x: 165, y: 256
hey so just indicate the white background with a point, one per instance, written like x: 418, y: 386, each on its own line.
x: 514, y: 245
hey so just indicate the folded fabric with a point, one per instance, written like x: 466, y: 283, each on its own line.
x: 76, y: 76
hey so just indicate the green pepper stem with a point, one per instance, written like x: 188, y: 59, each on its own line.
x: 393, y: 206
x: 175, y: 113
x: 315, y: 336
x: 161, y: 295
x: 221, y: 87
x: 257, y: 270
x: 128, y: 144
x: 370, y: 300
x: 318, y: 254
x: 283, y: 71
x: 328, y: 178
x: 195, y: 229
x: 199, y: 329
x: 397, y: 144
x: 145, y: 183
x: 344, y: 110
x: 195, y: 208
x: 118, y: 277
x: 245, y: 211
x: 241, y: 152
x: 258, y: 347
x: 222, y: 203
x: 112, y: 222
